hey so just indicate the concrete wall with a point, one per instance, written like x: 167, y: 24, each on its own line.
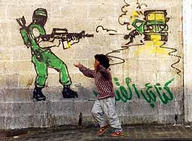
x: 187, y: 29
x: 152, y: 67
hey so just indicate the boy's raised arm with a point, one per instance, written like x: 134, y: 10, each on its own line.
x: 87, y: 72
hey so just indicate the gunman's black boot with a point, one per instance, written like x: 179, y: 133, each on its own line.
x: 68, y: 93
x: 38, y: 95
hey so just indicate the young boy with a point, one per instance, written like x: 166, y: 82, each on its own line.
x: 105, y: 105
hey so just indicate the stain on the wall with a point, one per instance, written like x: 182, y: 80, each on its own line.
x: 29, y: 83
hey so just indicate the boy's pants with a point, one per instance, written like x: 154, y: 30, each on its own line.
x: 106, y: 107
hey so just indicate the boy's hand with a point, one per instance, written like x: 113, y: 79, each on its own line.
x: 77, y: 65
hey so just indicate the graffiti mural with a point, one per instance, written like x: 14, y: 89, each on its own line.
x: 35, y: 37
x: 153, y: 26
x: 150, y: 93
x: 147, y: 32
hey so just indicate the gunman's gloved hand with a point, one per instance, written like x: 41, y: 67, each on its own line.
x: 74, y: 40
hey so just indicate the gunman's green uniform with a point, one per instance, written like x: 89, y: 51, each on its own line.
x: 44, y: 58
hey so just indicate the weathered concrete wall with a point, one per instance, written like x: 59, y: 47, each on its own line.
x: 148, y: 74
x: 187, y: 30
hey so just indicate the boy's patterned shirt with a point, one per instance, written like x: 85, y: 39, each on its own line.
x: 103, y: 80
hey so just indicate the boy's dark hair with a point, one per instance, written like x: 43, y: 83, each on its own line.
x: 103, y: 60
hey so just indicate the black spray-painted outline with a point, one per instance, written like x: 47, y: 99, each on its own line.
x: 124, y: 47
x: 104, y: 29
x: 124, y: 14
x: 140, y: 5
x: 173, y: 50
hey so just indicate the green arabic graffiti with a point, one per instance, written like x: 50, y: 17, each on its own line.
x: 149, y: 93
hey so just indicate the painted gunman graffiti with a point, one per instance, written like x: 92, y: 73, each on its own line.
x: 150, y: 93
x: 40, y: 43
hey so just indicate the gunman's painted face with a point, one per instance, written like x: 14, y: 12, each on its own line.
x: 96, y: 64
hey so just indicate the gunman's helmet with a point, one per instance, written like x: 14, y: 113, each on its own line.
x: 40, y: 16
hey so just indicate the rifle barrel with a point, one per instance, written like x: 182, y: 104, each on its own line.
x: 116, y: 34
x: 89, y: 35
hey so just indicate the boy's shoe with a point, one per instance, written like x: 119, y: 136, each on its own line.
x: 117, y: 132
x: 102, y: 130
